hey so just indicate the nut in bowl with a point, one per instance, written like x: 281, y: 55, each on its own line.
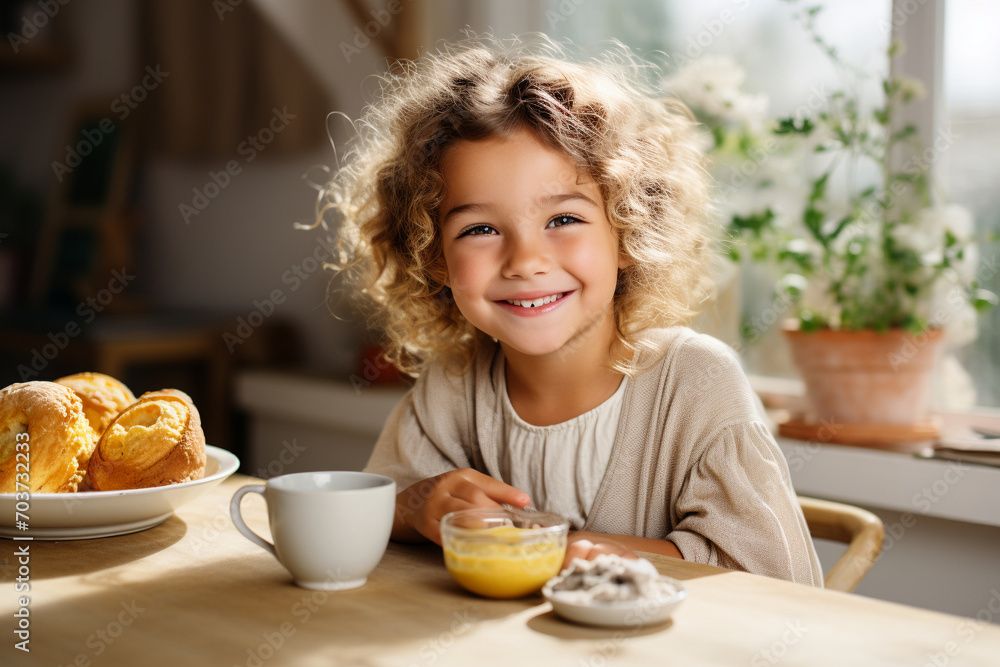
x: 503, y: 553
x: 611, y: 591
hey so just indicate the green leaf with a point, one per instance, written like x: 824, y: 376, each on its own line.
x: 904, y: 133
x: 819, y: 188
x: 746, y: 143
x: 810, y: 322
x: 906, y: 177
x: 801, y: 258
x: 983, y: 300
x: 793, y: 125
x: 719, y: 134
x: 813, y: 220
x: 844, y: 222
x: 913, y: 324
x: 755, y: 222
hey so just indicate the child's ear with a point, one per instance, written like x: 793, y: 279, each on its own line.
x: 624, y: 260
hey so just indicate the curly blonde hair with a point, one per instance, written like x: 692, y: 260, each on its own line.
x: 638, y: 145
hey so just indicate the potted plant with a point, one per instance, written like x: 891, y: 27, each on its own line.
x: 875, y: 269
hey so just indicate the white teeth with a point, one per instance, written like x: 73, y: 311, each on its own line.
x: 535, y: 303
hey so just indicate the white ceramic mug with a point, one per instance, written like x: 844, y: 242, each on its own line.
x: 330, y: 529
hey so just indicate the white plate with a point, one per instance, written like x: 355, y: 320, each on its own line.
x: 81, y: 516
x: 632, y: 614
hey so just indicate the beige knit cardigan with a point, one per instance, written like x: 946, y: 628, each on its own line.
x: 692, y: 462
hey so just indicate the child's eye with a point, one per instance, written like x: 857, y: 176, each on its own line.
x: 477, y: 230
x: 561, y: 220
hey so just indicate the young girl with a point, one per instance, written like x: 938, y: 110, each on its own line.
x: 532, y: 233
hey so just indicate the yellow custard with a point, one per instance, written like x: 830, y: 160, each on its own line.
x: 507, y: 568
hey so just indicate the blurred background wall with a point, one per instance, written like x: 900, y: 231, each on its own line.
x: 237, y: 249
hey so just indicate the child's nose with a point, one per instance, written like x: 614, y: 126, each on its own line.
x: 526, y: 257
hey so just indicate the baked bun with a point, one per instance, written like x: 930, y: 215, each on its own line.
x: 156, y: 441
x: 103, y: 397
x: 169, y: 392
x: 60, y: 438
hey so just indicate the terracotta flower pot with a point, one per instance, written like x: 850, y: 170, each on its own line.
x: 866, y: 377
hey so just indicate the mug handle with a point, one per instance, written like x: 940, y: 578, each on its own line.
x: 234, y: 511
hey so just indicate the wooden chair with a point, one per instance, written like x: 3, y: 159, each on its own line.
x: 861, y: 530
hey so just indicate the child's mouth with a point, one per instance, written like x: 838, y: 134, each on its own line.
x: 534, y: 306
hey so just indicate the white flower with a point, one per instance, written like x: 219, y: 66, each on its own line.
x: 799, y: 247
x: 911, y: 88
x: 965, y: 268
x: 925, y: 233
x: 932, y: 258
x: 749, y: 109
x: 792, y: 284
x: 711, y: 85
x: 947, y: 307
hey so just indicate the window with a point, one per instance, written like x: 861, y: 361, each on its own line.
x: 972, y: 170
x: 782, y: 62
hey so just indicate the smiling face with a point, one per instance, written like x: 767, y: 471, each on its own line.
x: 531, y: 257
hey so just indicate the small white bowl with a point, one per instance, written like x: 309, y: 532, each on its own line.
x: 621, y: 614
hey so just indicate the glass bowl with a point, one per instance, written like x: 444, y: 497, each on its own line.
x: 503, y: 552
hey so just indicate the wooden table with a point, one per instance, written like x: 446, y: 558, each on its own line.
x: 192, y: 591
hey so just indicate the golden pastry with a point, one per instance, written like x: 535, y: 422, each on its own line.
x: 60, y: 439
x: 103, y: 397
x: 156, y: 441
x: 169, y: 392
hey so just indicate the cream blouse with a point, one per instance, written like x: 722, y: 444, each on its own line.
x: 692, y: 460
x: 560, y: 466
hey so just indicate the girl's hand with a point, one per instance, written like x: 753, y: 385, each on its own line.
x: 420, y: 507
x: 589, y: 546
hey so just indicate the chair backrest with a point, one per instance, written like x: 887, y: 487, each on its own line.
x: 861, y: 530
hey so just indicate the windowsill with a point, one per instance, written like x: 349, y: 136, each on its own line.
x: 889, y: 480
x: 894, y: 481
x: 786, y: 394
